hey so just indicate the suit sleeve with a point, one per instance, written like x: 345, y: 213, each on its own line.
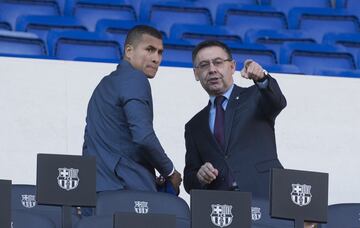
x: 272, y: 101
x: 137, y: 105
x: 193, y: 163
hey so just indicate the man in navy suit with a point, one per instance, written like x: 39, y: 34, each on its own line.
x: 119, y: 124
x: 230, y: 144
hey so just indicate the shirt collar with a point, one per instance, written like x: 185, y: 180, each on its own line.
x: 226, y: 94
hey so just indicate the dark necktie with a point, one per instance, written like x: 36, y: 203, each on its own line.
x: 219, y: 121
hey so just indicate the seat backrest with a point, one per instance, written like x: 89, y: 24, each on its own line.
x: 343, y: 215
x: 143, y: 202
x: 103, y: 221
x: 24, y: 219
x: 285, y: 6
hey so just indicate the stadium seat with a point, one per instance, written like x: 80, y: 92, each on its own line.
x: 84, y: 46
x: 264, y: 56
x: 165, y: 14
x: 351, y: 5
x: 21, y: 44
x: 177, y: 53
x: 41, y: 25
x: 11, y: 9
x: 197, y: 33
x: 286, y: 6
x: 315, y: 22
x: 144, y: 202
x: 337, y: 72
x: 23, y: 219
x: 343, y: 215
x: 89, y: 12
x: 103, y: 221
x: 283, y: 68
x: 239, y: 18
x: 116, y: 29
x: 274, y: 39
x: 308, y: 57
x: 260, y: 215
x: 4, y: 25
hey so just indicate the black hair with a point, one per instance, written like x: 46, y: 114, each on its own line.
x: 135, y: 34
x: 210, y: 43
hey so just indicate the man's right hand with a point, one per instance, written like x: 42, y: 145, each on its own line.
x: 175, y: 180
x: 207, y: 173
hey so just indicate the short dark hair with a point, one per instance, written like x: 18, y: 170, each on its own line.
x: 135, y: 34
x: 210, y: 43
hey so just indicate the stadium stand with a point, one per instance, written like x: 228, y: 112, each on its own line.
x: 286, y: 6
x: 103, y: 221
x: 343, y: 215
x: 22, y: 219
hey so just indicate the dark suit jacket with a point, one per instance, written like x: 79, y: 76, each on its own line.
x: 250, y: 149
x: 119, y: 128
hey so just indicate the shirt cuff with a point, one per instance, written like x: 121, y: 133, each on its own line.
x: 172, y: 172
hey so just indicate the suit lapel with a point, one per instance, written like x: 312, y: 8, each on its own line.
x: 235, y: 101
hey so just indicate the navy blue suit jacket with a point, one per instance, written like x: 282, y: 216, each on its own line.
x: 119, y: 129
x: 250, y: 149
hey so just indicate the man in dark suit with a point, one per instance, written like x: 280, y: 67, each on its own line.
x: 119, y: 124
x: 230, y: 144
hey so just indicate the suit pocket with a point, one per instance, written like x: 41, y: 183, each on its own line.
x: 265, y: 166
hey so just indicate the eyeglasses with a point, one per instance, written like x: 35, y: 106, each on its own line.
x: 218, y: 62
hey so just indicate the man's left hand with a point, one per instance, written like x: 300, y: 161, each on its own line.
x: 252, y: 70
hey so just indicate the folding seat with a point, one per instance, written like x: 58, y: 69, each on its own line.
x: 259, y: 53
x: 311, y: 57
x: 11, y: 9
x: 315, y: 22
x: 338, y: 72
x: 197, y: 33
x: 85, y: 46
x: 343, y: 215
x: 4, y: 25
x: 89, y: 12
x: 21, y: 44
x: 286, y: 6
x: 41, y: 25
x: 144, y: 202
x: 283, y: 68
x: 239, y: 18
x: 274, y: 39
x: 116, y: 29
x: 23, y: 219
x: 100, y: 221
x: 165, y: 14
x: 177, y: 53
x: 352, y: 6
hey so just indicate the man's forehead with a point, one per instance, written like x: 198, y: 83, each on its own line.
x: 211, y: 52
x: 148, y: 40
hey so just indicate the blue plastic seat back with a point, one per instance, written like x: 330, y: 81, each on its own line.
x: 140, y: 202
x: 21, y: 44
x: 286, y: 6
x: 11, y: 9
x: 76, y: 45
x: 41, y: 25
x: 165, y: 14
x: 343, y: 215
x: 308, y: 57
x: 89, y: 12
x: 4, y: 25
x: 351, y: 5
x: 243, y: 18
x: 177, y: 53
x: 24, y: 219
x: 100, y: 221
x: 197, y: 33
x: 258, y: 53
x: 349, y: 41
x: 260, y: 215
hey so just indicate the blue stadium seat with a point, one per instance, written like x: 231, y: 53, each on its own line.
x: 260, y: 214
x: 309, y: 57
x: 337, y: 72
x: 274, y: 39
x: 137, y: 201
x: 286, y: 6
x: 116, y: 29
x: 21, y: 44
x: 177, y: 53
x: 239, y: 18
x: 198, y: 33
x: 84, y: 46
x: 11, y: 9
x: 316, y: 22
x: 103, y: 221
x: 264, y: 56
x: 165, y: 14
x: 3, y: 24
x: 23, y: 219
x: 352, y: 6
x: 283, y: 68
x: 41, y: 25
x: 343, y: 215
x: 89, y: 12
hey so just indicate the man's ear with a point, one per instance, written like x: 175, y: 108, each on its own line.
x: 128, y: 51
x: 233, y: 66
x: 196, y: 75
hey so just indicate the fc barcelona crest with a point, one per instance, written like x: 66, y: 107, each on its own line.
x: 221, y: 215
x: 141, y: 207
x: 68, y: 179
x: 301, y: 194
x: 28, y: 201
x: 255, y: 213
